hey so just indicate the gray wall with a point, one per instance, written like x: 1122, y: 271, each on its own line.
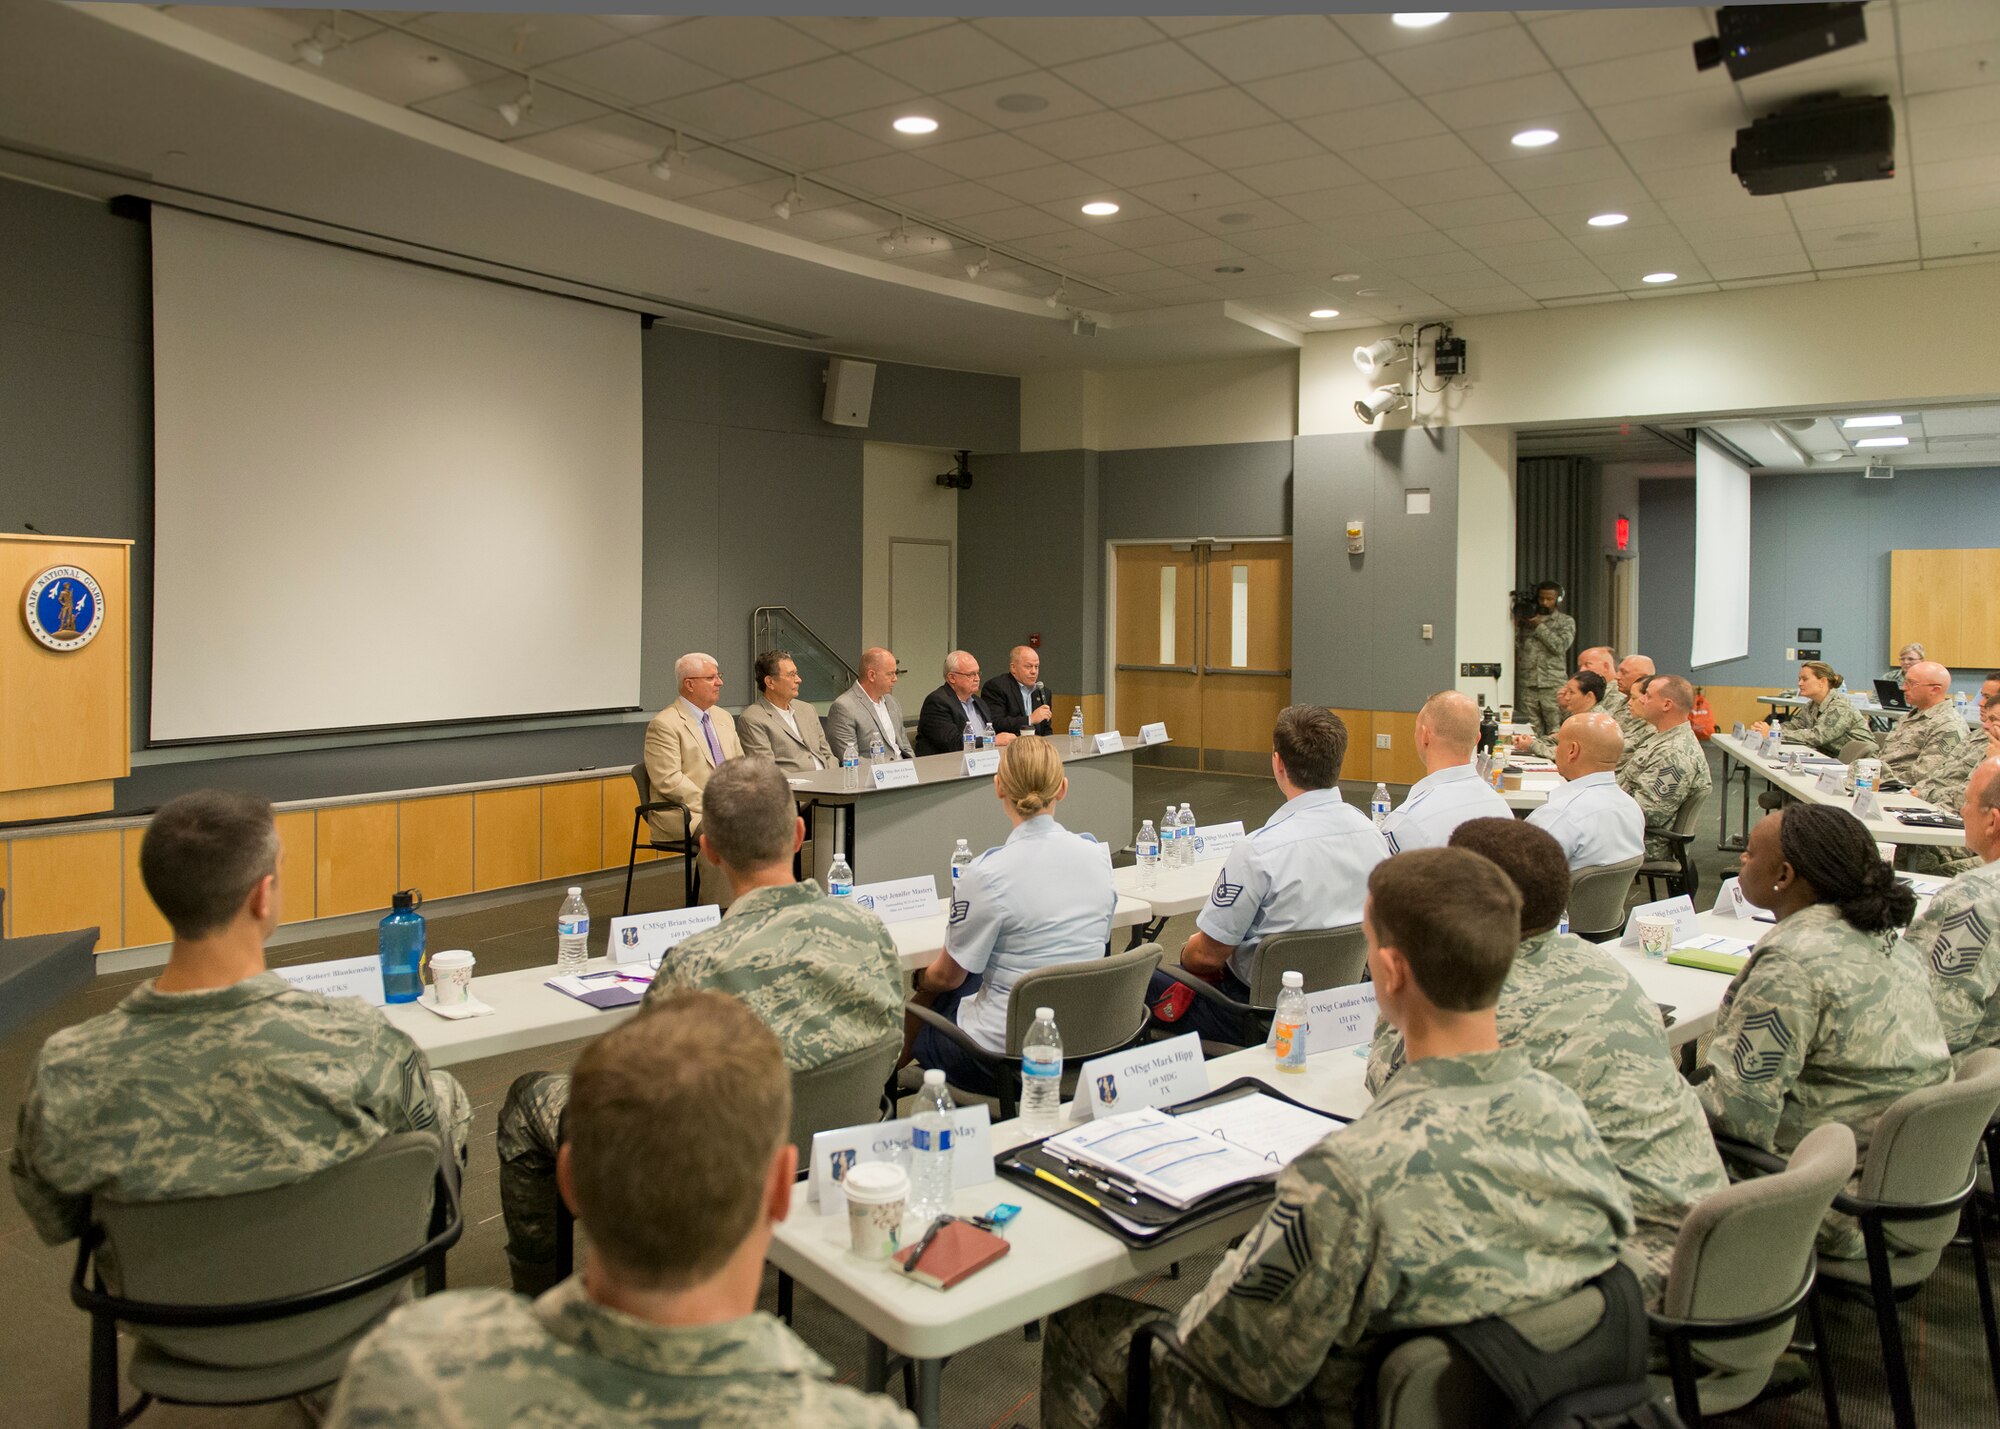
x: 1356, y: 642
x: 749, y: 497
x: 1819, y: 555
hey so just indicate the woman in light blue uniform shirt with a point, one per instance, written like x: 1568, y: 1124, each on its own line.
x: 1043, y: 897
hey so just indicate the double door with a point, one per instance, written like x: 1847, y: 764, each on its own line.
x: 1204, y: 632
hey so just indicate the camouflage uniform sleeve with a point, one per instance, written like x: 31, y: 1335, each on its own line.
x: 388, y: 1385
x: 396, y: 1084
x: 1768, y: 1021
x: 1950, y: 939
x: 1385, y: 1057
x: 56, y: 1215
x: 1945, y: 787
x: 1554, y: 636
x: 1297, y: 1287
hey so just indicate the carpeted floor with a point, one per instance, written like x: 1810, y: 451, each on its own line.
x: 44, y: 1341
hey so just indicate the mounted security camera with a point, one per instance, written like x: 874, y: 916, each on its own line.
x: 1382, y: 399
x: 959, y: 478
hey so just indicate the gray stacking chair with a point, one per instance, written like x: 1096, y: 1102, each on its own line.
x: 260, y: 1296
x: 1326, y: 957
x: 1100, y: 1006
x: 687, y: 846
x: 1597, y: 897
x: 1742, y: 1271
x: 1679, y: 872
x: 1857, y: 749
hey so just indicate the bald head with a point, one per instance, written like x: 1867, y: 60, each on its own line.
x: 878, y: 671
x: 1925, y: 684
x: 1631, y: 670
x: 1447, y: 729
x: 1597, y: 659
x: 1588, y: 744
x: 1981, y: 810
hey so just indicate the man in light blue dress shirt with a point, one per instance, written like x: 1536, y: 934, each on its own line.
x: 1451, y: 790
x: 1594, y: 820
x: 1307, y: 868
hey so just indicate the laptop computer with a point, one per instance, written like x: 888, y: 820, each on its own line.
x: 1890, y: 694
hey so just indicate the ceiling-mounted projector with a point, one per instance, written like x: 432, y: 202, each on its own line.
x: 1754, y: 39
x: 1382, y: 399
x: 1381, y: 354
x: 1825, y: 139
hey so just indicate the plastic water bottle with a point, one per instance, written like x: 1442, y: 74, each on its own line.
x: 1484, y: 765
x: 399, y: 942
x: 1147, y: 846
x: 1184, y: 845
x: 839, y: 877
x: 573, y: 934
x: 1288, y: 1024
x: 876, y: 754
x: 961, y: 859
x: 971, y: 739
x: 1378, y: 804
x: 1169, y: 831
x: 850, y: 769
x: 1076, y: 730
x: 1041, y: 1076
x: 931, y: 1150
x: 1562, y: 926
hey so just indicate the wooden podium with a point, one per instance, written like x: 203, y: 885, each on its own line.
x: 65, y: 715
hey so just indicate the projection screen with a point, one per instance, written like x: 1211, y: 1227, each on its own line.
x: 1721, y: 556
x: 384, y: 494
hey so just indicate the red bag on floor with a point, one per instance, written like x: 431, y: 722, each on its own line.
x: 1174, y: 1003
x: 1701, y: 716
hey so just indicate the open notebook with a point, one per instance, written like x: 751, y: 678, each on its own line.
x: 1180, y: 1159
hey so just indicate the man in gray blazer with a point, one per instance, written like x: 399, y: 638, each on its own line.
x: 867, y: 709
x: 781, y: 726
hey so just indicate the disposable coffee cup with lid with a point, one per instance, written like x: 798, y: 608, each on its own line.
x: 451, y: 976
x: 877, y: 1194
x: 1656, y: 935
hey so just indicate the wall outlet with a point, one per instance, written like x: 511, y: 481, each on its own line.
x: 1381, y: 741
x: 1790, y: 653
x: 1476, y: 670
x: 1430, y: 631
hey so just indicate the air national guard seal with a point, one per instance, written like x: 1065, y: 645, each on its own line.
x: 65, y: 608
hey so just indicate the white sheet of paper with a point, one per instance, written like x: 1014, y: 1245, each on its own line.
x: 1110, y: 742
x: 344, y: 977
x: 1679, y: 908
x: 898, y: 900
x: 1267, y: 1128
x: 1212, y: 842
x: 980, y: 761
x: 645, y: 937
x: 898, y: 775
x: 1339, y: 1017
x: 1158, y: 1074
x: 834, y: 1153
x: 1155, y: 733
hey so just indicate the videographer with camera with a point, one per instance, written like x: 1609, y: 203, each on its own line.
x: 1542, y: 663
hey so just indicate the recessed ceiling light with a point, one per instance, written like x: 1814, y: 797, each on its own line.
x: 1606, y: 220
x: 1535, y: 138
x: 1883, y: 442
x: 915, y: 124
x: 1100, y: 209
x: 1324, y: 313
x: 1345, y: 278
x: 1230, y: 268
x: 1659, y: 277
x: 1021, y: 103
x: 1882, y: 419
x: 1367, y: 292
x: 1420, y: 19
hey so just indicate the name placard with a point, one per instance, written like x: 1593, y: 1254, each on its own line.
x: 835, y: 1153
x: 1340, y: 1017
x: 1832, y: 781
x: 645, y: 937
x: 1109, y: 742
x: 1680, y: 909
x: 1736, y: 730
x: 1730, y: 902
x: 1155, y: 733
x: 1212, y: 842
x: 898, y: 900
x: 980, y: 761
x: 901, y: 774
x: 345, y: 977
x: 1158, y: 1074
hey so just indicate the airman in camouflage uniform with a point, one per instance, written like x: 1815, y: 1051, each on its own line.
x: 1946, y: 786
x: 820, y: 973
x: 1957, y: 941
x: 1828, y: 726
x: 1921, y: 746
x: 1473, y: 1186
x: 215, y: 1092
x: 1543, y: 662
x: 485, y: 1358
x: 1824, y: 1023
x: 1662, y: 771
x: 1578, y: 1015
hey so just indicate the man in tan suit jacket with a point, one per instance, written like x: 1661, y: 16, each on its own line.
x: 687, y: 739
x: 781, y: 726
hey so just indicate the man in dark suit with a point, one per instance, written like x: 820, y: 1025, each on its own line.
x: 1019, y: 700
x: 954, y: 707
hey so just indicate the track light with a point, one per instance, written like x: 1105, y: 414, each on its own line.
x: 663, y: 167
x: 313, y: 48
x: 792, y: 199
x: 1060, y: 297
x: 1382, y: 399
x: 1381, y: 354
x: 974, y: 271
x: 520, y: 106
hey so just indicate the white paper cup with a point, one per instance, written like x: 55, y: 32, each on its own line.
x: 1656, y: 935
x: 1869, y: 769
x: 451, y: 977
x: 877, y: 1194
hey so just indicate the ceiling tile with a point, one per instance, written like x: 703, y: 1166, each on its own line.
x: 1215, y: 111
x: 1341, y: 203
x: 947, y: 58
x: 1058, y: 39
x: 1530, y: 96
x: 1952, y: 68
x: 1192, y: 24
x: 1581, y: 37
x: 1412, y: 156
x: 1191, y: 250
x: 1352, y: 85
x: 269, y: 32
x: 1291, y: 238
x: 1477, y: 236
x: 1386, y: 223
x: 1615, y: 244
x: 1506, y: 257
x: 1152, y: 164
x: 954, y: 124
x: 1495, y: 142
x: 1137, y: 76
x: 1969, y: 141
x: 1501, y: 52
x: 1060, y: 247
x: 816, y: 146
x: 1454, y: 263
x: 1944, y: 24
x: 1086, y: 135
x: 954, y: 201
x: 1446, y: 185
x: 1291, y: 176
x: 1048, y: 183
x: 1559, y: 168
x: 1952, y: 173
x: 839, y: 84
x: 739, y: 45
x: 522, y: 40
x: 1237, y: 221
x: 1646, y: 76
x: 1747, y: 220
x: 1265, y: 144
x: 1191, y: 195
x: 634, y: 72
x: 1378, y: 35
x: 1277, y: 44
x: 985, y: 155
x: 1119, y: 264
x: 852, y: 32
x: 1061, y: 100
x: 477, y: 109
x: 1859, y: 71
x: 403, y: 69
x: 889, y: 174
x: 1714, y: 112
x: 1966, y: 199
x: 730, y: 111
x: 1018, y: 221
x: 1494, y: 208
x: 1378, y: 124
x: 606, y: 143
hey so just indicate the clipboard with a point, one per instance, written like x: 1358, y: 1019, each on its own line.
x: 1143, y: 1221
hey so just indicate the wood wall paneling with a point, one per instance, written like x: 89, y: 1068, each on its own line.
x: 1238, y: 711
x: 1927, y: 594
x: 67, y: 881
x: 61, y: 802
x: 68, y: 722
x: 297, y: 859
x: 620, y: 799
x: 434, y: 845
x: 1730, y: 703
x: 1398, y: 764
x: 144, y: 923
x: 506, y: 837
x: 354, y: 857
x: 6, y: 911
x: 1979, y: 611
x: 572, y: 828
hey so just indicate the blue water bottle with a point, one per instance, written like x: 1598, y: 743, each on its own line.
x: 400, y: 944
